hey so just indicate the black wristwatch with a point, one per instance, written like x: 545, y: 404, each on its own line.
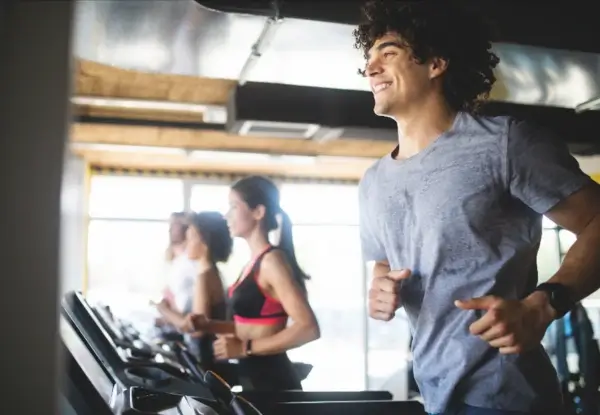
x: 559, y: 297
x: 248, y: 347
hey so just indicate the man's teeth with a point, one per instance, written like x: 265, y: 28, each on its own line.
x: 381, y: 87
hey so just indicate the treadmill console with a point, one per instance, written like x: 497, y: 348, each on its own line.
x: 135, y: 377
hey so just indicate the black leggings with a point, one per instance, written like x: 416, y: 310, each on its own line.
x: 268, y: 373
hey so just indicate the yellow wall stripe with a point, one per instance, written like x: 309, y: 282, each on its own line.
x: 183, y: 174
x: 87, y: 188
x: 217, y: 176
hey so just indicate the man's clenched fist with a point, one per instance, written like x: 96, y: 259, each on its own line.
x: 384, y: 295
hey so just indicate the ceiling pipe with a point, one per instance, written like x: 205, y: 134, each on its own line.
x: 590, y: 105
x: 261, y: 44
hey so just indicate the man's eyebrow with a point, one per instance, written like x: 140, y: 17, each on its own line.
x: 385, y: 45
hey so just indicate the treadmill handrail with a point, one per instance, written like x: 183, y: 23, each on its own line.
x: 79, y: 297
x: 102, y: 347
x: 93, y: 370
x: 107, y: 324
x: 84, y: 338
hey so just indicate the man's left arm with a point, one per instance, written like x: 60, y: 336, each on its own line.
x: 580, y: 214
x: 579, y: 272
x: 542, y: 174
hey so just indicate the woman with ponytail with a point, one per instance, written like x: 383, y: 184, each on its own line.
x: 270, y: 290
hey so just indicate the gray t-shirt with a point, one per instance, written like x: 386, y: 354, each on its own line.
x: 465, y: 215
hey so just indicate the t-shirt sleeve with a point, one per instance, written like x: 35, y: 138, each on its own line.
x: 540, y: 170
x: 372, y: 248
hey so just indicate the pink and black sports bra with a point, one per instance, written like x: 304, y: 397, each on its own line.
x: 251, y: 304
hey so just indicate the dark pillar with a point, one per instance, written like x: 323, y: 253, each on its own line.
x: 35, y: 83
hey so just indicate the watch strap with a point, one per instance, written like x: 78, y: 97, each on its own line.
x: 559, y: 297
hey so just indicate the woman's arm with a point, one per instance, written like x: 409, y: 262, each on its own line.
x: 201, y: 318
x: 203, y: 325
x: 276, y: 272
x: 201, y: 305
x: 201, y: 301
x: 173, y: 317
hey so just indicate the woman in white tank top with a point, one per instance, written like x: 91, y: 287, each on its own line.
x: 180, y: 283
x: 178, y: 290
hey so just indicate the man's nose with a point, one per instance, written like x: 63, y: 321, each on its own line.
x: 373, y: 68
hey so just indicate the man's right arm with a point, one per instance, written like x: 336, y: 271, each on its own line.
x: 384, y: 298
x: 372, y: 248
x: 381, y: 269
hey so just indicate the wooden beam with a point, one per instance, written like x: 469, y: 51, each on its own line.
x: 218, y: 140
x: 347, y: 170
x: 138, y: 114
x: 95, y: 79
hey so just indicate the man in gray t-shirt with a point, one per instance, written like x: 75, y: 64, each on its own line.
x: 452, y: 218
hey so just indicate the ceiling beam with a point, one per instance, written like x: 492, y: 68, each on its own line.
x: 142, y: 114
x: 322, y: 169
x: 220, y: 140
x: 96, y: 79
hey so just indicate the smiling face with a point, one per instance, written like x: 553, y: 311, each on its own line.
x: 397, y: 81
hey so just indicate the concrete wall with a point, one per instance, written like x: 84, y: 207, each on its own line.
x: 73, y: 233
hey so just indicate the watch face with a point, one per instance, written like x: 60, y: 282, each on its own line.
x: 562, y: 295
x: 559, y: 297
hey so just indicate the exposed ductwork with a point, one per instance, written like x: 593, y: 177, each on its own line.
x: 305, y: 112
x: 557, y: 26
x: 184, y: 38
x: 321, y: 114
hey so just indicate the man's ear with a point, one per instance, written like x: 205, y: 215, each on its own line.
x: 437, y: 67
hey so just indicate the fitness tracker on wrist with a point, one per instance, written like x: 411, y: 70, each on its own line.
x: 248, y: 347
x: 559, y: 297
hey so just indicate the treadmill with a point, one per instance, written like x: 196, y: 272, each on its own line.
x: 132, y: 377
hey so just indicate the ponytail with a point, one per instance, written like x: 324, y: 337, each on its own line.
x: 257, y: 191
x: 286, y: 244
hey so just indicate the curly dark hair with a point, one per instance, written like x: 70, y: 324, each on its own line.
x: 437, y: 29
x: 213, y: 230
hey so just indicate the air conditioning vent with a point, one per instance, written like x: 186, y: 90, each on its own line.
x: 292, y: 111
x: 278, y: 129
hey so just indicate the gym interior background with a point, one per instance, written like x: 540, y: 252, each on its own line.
x: 161, y: 123
x: 123, y: 220
x: 148, y: 142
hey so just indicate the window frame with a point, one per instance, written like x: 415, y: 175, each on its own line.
x: 188, y: 185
